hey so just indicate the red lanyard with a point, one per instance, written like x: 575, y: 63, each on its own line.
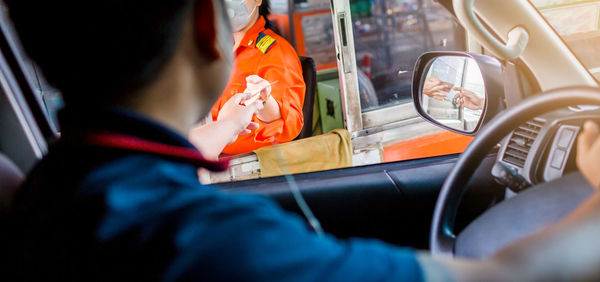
x: 124, y: 142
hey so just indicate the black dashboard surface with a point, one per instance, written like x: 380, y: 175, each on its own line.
x: 543, y: 149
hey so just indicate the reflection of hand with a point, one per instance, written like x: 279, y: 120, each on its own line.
x: 437, y: 89
x: 468, y: 99
x: 255, y: 83
x: 588, y: 153
x: 238, y: 115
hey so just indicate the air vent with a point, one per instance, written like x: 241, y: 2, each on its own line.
x: 520, y: 142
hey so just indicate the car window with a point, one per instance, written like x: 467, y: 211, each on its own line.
x: 389, y: 37
x: 385, y: 39
x: 578, y: 23
x: 49, y: 97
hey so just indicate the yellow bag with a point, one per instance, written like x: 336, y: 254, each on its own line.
x: 324, y: 152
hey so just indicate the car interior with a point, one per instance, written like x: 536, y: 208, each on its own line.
x: 517, y: 176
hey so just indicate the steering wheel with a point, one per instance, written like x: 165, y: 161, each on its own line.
x: 443, y: 240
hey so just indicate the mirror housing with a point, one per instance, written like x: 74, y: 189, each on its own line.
x: 491, y: 71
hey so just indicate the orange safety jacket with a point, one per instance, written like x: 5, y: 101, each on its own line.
x: 268, y: 55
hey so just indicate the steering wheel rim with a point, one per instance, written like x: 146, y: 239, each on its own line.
x: 442, y: 238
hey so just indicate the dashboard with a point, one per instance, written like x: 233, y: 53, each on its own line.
x: 541, y: 150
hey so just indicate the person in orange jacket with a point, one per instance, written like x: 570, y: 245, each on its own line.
x: 263, y: 60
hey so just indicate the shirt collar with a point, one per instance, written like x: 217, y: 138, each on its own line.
x: 249, y: 39
x: 119, y: 120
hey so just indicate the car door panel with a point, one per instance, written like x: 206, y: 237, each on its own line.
x: 393, y: 202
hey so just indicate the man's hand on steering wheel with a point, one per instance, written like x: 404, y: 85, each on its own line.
x: 588, y: 153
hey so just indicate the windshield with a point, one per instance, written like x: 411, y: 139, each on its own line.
x: 578, y: 23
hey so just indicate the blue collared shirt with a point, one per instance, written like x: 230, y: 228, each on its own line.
x: 94, y: 213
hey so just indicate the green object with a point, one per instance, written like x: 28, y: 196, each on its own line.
x: 317, y: 129
x: 360, y: 9
x: 330, y: 105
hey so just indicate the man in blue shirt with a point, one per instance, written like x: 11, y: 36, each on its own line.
x: 117, y: 198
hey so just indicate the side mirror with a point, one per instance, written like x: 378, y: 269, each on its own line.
x: 458, y: 91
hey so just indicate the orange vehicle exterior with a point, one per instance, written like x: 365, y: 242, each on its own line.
x: 439, y: 144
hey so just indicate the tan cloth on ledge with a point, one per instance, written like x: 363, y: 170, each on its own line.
x: 324, y: 152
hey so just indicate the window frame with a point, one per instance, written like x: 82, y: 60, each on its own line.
x: 16, y: 66
x: 347, y: 66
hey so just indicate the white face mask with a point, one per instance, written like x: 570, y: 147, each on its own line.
x: 238, y: 13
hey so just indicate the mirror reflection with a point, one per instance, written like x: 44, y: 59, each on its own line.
x: 453, y: 92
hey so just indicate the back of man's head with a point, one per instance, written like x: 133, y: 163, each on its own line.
x: 98, y: 52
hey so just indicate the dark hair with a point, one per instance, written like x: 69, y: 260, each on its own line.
x: 264, y: 11
x: 98, y: 52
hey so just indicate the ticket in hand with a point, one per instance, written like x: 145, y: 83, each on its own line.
x: 256, y: 93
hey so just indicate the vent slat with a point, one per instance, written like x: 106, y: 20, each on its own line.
x: 517, y: 162
x: 526, y: 135
x: 520, y: 143
x: 528, y: 129
x: 538, y: 123
x: 524, y: 150
x: 517, y: 155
